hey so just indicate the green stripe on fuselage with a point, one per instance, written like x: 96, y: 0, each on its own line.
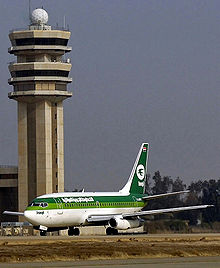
x: 87, y: 202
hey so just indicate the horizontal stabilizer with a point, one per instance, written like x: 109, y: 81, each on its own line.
x: 151, y: 197
x: 12, y: 213
x: 161, y: 211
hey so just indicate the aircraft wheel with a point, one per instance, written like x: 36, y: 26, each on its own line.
x: 71, y: 232
x: 115, y: 232
x: 111, y: 231
x: 43, y: 233
x: 76, y: 231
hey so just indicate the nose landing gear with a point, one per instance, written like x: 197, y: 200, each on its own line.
x: 43, y: 230
x: 43, y: 233
x: 73, y: 231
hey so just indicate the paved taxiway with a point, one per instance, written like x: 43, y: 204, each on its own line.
x: 192, y: 262
x: 104, y: 237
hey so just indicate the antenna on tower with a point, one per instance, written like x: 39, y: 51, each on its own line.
x: 30, y: 10
x: 64, y: 21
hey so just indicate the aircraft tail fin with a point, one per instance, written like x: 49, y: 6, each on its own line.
x: 136, y: 181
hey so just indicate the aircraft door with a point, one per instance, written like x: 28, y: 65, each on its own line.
x: 97, y: 204
x: 135, y: 200
x: 59, y: 206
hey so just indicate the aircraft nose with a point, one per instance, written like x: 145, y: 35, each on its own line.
x: 28, y: 215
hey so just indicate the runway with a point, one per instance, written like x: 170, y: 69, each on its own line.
x: 167, y: 250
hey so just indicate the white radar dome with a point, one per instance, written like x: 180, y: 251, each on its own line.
x: 39, y: 16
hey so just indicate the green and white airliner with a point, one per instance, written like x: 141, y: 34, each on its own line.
x: 115, y: 210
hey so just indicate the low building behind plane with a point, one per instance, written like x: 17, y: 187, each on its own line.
x: 8, y: 191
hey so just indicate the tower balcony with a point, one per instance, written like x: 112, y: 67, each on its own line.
x: 33, y: 96
x: 39, y: 71
x: 34, y: 48
x: 33, y: 66
x: 13, y: 80
x: 13, y: 66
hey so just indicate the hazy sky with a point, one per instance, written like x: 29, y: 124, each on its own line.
x: 143, y: 71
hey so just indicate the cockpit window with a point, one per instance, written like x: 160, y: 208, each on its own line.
x: 38, y: 204
x: 34, y: 204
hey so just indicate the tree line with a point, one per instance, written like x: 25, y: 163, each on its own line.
x: 202, y: 192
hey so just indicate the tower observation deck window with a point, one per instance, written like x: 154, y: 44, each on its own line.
x: 30, y: 59
x: 26, y: 73
x: 41, y: 41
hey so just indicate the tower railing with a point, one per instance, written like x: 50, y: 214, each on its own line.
x: 68, y: 60
x: 65, y: 29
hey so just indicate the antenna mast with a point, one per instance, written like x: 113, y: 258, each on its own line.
x: 30, y: 10
x: 64, y: 21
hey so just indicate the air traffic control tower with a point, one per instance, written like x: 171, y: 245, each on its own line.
x: 40, y: 78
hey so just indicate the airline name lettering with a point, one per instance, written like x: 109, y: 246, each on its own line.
x: 40, y: 212
x: 77, y: 200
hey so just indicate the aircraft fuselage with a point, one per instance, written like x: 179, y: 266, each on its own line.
x: 73, y: 209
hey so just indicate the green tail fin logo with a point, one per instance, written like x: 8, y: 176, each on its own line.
x: 136, y: 181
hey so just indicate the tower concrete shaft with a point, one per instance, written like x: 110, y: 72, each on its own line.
x: 39, y: 77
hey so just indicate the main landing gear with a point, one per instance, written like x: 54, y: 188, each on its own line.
x: 111, y: 231
x: 73, y: 231
x: 43, y: 233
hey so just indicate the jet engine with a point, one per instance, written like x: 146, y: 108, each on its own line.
x: 123, y: 224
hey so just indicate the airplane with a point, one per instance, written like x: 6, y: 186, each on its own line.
x: 116, y: 211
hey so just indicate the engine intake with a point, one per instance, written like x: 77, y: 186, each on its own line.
x: 113, y: 222
x: 123, y: 224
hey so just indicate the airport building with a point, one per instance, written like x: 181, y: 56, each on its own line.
x: 8, y: 191
x: 39, y: 76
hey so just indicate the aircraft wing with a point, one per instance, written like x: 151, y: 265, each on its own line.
x: 106, y: 218
x: 151, y: 197
x: 13, y: 213
x: 161, y: 211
